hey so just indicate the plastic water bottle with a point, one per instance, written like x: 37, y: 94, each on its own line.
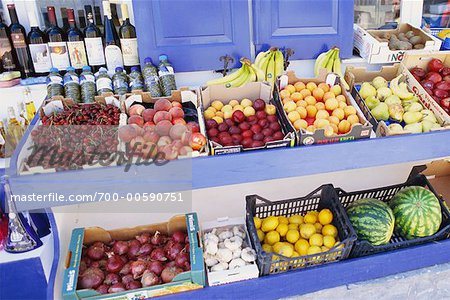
x: 104, y: 82
x: 136, y: 80
x: 166, y: 76
x: 151, y: 79
x: 72, y: 85
x: 120, y: 82
x: 87, y: 82
x: 55, y: 84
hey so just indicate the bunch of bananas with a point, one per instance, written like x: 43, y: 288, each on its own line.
x: 271, y: 63
x: 248, y: 72
x: 332, y: 63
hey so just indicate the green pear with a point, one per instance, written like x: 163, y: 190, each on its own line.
x: 429, y: 115
x: 372, y: 101
x: 395, y: 128
x: 411, y: 117
x: 396, y: 112
x: 414, y: 127
x: 416, y: 106
x: 393, y: 99
x: 411, y: 100
x: 379, y: 82
x: 367, y: 90
x: 381, y: 111
x: 427, y: 125
x: 383, y: 93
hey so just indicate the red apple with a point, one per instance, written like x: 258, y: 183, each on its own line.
x: 226, y: 140
x: 252, y: 120
x: 198, y: 141
x: 222, y: 127
x: 275, y: 126
x: 435, y: 65
x: 229, y: 122
x: 268, y: 139
x: 267, y: 132
x: 272, y: 118
x: 445, y: 103
x: 261, y: 114
x: 247, y: 142
x: 440, y: 93
x: 433, y: 76
x: 258, y: 136
x: 256, y: 128
x: 259, y: 105
x: 237, y: 139
x: 215, y: 139
x: 278, y: 135
x: 238, y: 116
x: 257, y: 144
x: 244, y: 126
x: 263, y: 123
x: 419, y: 72
x: 211, y: 124
x: 213, y: 132
x: 445, y: 71
x: 247, y: 134
x: 443, y: 85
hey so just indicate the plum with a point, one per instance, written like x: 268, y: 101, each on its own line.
x: 258, y: 136
x: 256, y: 128
x: 238, y: 116
x: 222, y: 127
x: 278, y: 135
x: 244, y: 126
x: 259, y: 105
x: 261, y: 115
x: 211, y: 124
x: 275, y: 126
x: 256, y: 144
x: 263, y: 123
x: 213, y: 132
x: 247, y: 142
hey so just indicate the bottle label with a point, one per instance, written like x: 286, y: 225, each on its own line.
x: 59, y: 55
x: 104, y: 83
x: 54, y: 79
x: 41, y: 58
x: 6, y: 54
x: 71, y: 78
x: 77, y: 53
x: 18, y: 40
x: 94, y: 48
x: 166, y: 70
x: 113, y: 56
x: 87, y: 78
x: 130, y: 52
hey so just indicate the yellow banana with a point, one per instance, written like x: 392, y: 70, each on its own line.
x: 241, y: 79
x: 270, y: 73
x: 259, y: 59
x: 252, y: 77
x: 337, y: 69
x: 321, y: 61
x: 230, y: 77
x: 279, y: 63
x: 265, y: 64
x: 402, y: 93
x: 330, y: 62
x: 260, y: 75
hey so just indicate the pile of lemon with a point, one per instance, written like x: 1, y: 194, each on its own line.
x: 298, y: 235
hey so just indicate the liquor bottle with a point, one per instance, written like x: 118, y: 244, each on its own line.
x: 37, y: 42
x: 75, y: 43
x: 81, y: 19
x: 113, y: 54
x: 94, y: 45
x: 19, y: 43
x: 23, y: 120
x: 128, y: 41
x: 98, y: 19
x: 7, y: 55
x: 2, y: 141
x: 57, y: 42
x: 29, y: 104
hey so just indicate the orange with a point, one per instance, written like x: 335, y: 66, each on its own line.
x: 318, y: 94
x: 344, y: 126
x: 299, y: 86
x: 311, y: 110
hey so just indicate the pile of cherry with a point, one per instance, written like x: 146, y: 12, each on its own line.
x: 144, y: 261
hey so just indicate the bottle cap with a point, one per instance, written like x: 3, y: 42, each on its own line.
x: 54, y: 70
x: 134, y: 69
x: 162, y: 57
x: 148, y: 60
x: 87, y: 68
x: 103, y: 69
x: 69, y: 69
x: 119, y: 69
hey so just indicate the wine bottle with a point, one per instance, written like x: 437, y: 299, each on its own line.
x: 19, y: 43
x: 113, y: 54
x: 128, y: 41
x: 98, y: 19
x: 37, y: 42
x: 65, y: 19
x: 75, y: 43
x: 87, y: 10
x: 57, y: 42
x: 115, y: 16
x: 94, y: 45
x: 7, y: 55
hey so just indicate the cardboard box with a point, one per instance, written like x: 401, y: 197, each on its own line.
x: 358, y: 131
x: 252, y: 91
x: 249, y: 271
x: 185, y: 281
x: 421, y: 60
x: 377, y: 52
x: 438, y: 173
x: 355, y: 76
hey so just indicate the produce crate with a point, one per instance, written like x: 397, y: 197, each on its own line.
x: 445, y: 42
x: 359, y: 131
x: 376, y: 52
x: 355, y: 76
x: 252, y: 91
x: 421, y: 60
x: 185, y: 281
x: 362, y: 248
x: 322, y: 197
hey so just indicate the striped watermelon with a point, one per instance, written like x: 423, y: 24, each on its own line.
x: 417, y: 212
x: 372, y: 220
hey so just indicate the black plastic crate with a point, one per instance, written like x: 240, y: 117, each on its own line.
x: 362, y: 248
x: 322, y: 197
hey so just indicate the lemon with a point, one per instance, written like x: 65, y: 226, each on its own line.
x: 282, y: 229
x: 293, y: 226
x: 307, y: 230
x: 318, y: 227
x: 257, y: 222
x: 325, y: 216
x: 296, y: 219
x: 285, y: 250
x: 314, y: 250
x: 329, y: 241
x: 295, y: 254
x: 301, y: 246
x: 277, y: 246
x: 283, y: 220
x: 310, y: 218
x: 292, y: 236
x: 340, y: 246
x: 329, y: 229
x: 324, y: 248
x: 314, y: 212
x: 316, y: 240
x: 260, y: 235
x: 272, y: 237
x: 269, y: 224
x: 267, y: 248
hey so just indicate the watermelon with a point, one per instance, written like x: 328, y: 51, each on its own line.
x: 417, y: 212
x: 372, y: 220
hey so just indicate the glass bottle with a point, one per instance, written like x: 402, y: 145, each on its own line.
x: 113, y: 53
x: 75, y: 43
x: 94, y: 45
x: 128, y: 41
x: 15, y: 129
x: 57, y: 42
x: 29, y: 104
x: 7, y: 55
x: 37, y: 42
x: 18, y: 37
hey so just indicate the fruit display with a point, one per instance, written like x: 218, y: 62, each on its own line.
x: 393, y: 103
x: 417, y: 212
x: 248, y: 123
x: 298, y: 235
x: 317, y: 105
x: 435, y: 79
x: 331, y: 62
x: 372, y: 220
x: 401, y: 40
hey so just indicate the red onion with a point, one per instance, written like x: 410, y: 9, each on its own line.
x: 145, y: 249
x: 186, y: 240
x: 116, y: 288
x: 114, y: 264
x: 149, y: 279
x: 182, y: 259
x: 187, y: 247
x: 158, y: 254
x: 82, y: 267
x: 102, y: 264
x: 143, y: 238
x: 187, y: 267
x: 169, y: 273
x: 133, y: 249
x: 91, y: 278
x: 170, y: 264
x: 172, y: 251
x: 120, y: 247
x: 95, y: 264
x: 156, y: 267
x: 133, y: 285
x: 179, y: 236
x: 127, y: 279
x: 126, y: 269
x: 95, y: 252
x: 102, y: 289
x: 157, y: 238
x: 137, y: 268
x: 111, y: 278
